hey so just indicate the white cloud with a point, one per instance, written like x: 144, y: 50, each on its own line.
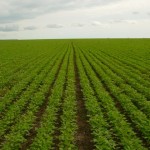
x: 135, y: 12
x: 74, y: 18
x: 97, y: 23
x: 78, y: 25
x: 9, y: 28
x: 13, y: 10
x: 124, y: 21
x: 54, y: 26
x: 30, y: 28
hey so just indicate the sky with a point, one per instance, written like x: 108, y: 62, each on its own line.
x: 46, y: 19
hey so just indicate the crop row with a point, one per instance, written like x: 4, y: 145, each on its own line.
x: 137, y: 98
x: 44, y: 135
x: 17, y: 132
x: 133, y: 73
x: 14, y: 111
x: 69, y: 110
x: 22, y: 85
x: 19, y: 73
x: 74, y: 94
x: 134, y: 113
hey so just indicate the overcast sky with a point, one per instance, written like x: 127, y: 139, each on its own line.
x: 27, y: 19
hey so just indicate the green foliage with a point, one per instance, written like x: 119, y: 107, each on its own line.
x: 38, y: 102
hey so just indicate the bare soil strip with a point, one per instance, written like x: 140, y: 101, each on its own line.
x: 83, y: 136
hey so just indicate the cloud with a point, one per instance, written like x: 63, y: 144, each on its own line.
x: 131, y: 21
x: 116, y: 21
x: 78, y: 25
x: 74, y: 18
x: 30, y: 28
x: 96, y: 23
x: 109, y: 22
x: 55, y: 26
x: 9, y: 28
x: 123, y: 21
x: 135, y: 12
x: 104, y: 24
x: 14, y: 10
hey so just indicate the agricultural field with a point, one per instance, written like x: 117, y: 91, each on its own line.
x: 75, y: 94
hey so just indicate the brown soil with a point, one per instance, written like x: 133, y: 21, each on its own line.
x: 83, y: 136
